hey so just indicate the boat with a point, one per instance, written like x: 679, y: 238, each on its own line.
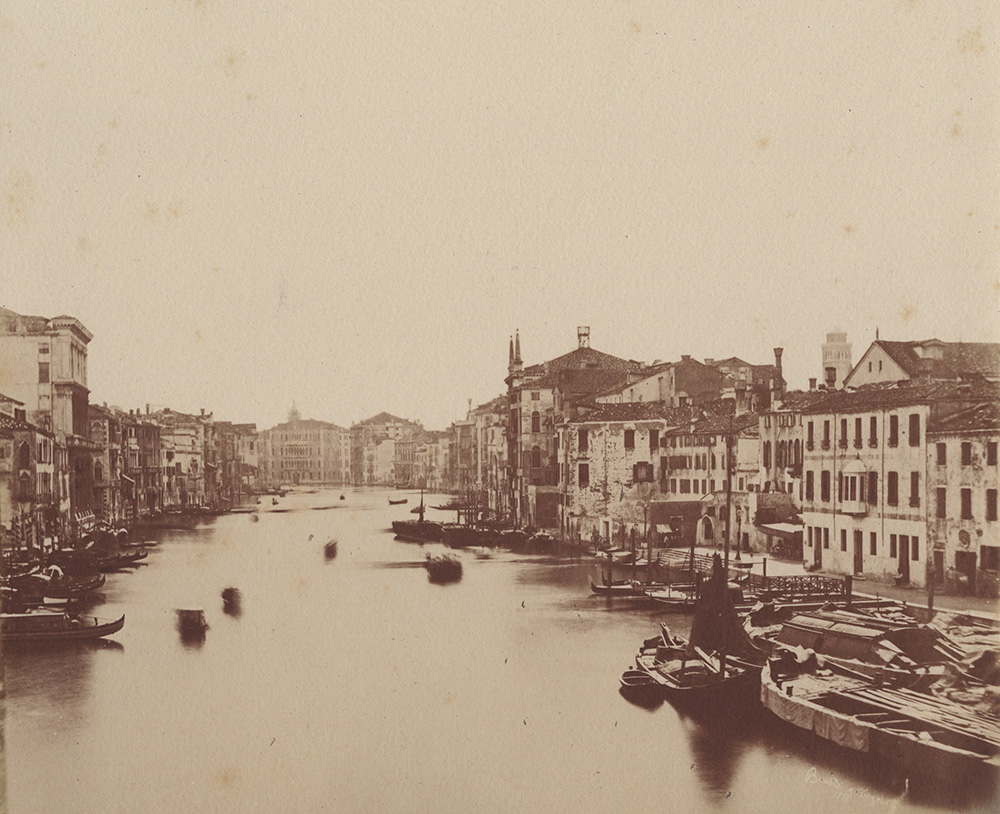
x: 419, y: 530
x: 443, y: 568
x: 930, y: 724
x: 330, y: 549
x: 397, y: 502
x: 639, y: 687
x: 342, y: 497
x: 625, y: 587
x: 191, y: 620
x: 41, y: 626
x: 115, y: 562
x: 55, y: 585
x: 718, y: 669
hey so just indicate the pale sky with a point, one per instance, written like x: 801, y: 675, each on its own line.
x: 355, y: 204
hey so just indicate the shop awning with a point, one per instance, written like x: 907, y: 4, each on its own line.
x: 785, y: 530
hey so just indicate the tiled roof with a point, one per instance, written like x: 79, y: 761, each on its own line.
x: 958, y: 358
x: 587, y: 381
x: 746, y: 424
x: 984, y: 416
x: 10, y: 400
x: 10, y: 423
x: 888, y: 395
x: 384, y: 418
x: 798, y: 400
x: 638, y: 411
x: 583, y: 358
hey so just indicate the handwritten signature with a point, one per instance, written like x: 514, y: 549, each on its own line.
x: 844, y: 791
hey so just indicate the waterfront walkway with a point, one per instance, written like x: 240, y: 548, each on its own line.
x: 915, y: 597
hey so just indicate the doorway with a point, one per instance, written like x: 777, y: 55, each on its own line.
x: 859, y: 552
x: 965, y: 564
x: 904, y: 558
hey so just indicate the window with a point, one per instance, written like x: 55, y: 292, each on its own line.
x: 873, y: 488
x: 685, y: 486
x: 873, y: 432
x: 809, y: 485
x: 536, y: 458
x: 991, y: 504
x: 914, y: 429
x: 584, y: 474
x: 824, y: 486
x: 536, y: 422
x: 991, y: 453
x: 894, y: 431
x: 914, y: 488
x: 966, y: 504
x: 826, y: 538
x: 842, y: 443
x: 809, y: 435
x: 826, y: 435
x: 892, y: 489
x: 629, y: 439
x: 673, y: 485
x: 892, y: 546
x: 654, y: 440
x: 642, y: 472
x: 914, y: 548
x: 767, y: 454
x: 810, y: 543
x: 840, y: 486
x: 843, y: 539
x: 942, y: 454
x: 582, y: 435
x: 966, y: 453
x: 535, y: 395
x: 857, y: 433
x: 942, y: 502
x: 43, y: 372
x: 873, y: 544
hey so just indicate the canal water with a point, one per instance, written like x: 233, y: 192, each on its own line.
x: 356, y: 685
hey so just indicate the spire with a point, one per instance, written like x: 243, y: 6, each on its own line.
x: 517, y: 347
x: 510, y: 358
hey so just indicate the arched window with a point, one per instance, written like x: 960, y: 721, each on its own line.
x: 767, y: 454
x: 24, y: 458
x: 27, y: 492
x: 782, y: 455
x: 798, y: 453
x: 536, y: 457
x: 98, y: 471
x: 536, y: 422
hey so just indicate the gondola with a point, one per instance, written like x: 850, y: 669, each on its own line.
x: 397, y: 502
x: 36, y: 627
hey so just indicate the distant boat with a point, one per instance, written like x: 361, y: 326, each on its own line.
x: 397, y: 502
x: 330, y: 549
x: 191, y: 620
x: 443, y: 568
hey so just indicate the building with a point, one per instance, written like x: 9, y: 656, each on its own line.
x: 539, y: 397
x: 836, y: 360
x: 302, y: 451
x: 106, y: 435
x: 366, y: 436
x: 182, y: 457
x: 962, y: 479
x: 865, y: 486
x: 45, y: 369
x: 29, y: 503
x: 611, y: 468
x: 927, y: 360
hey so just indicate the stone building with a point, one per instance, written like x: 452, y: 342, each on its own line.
x: 927, y: 360
x: 29, y: 505
x: 865, y: 486
x: 962, y: 481
x: 837, y: 362
x: 367, y: 435
x: 302, y: 451
x: 539, y: 397
x: 45, y: 368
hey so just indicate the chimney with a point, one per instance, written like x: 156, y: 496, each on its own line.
x: 583, y: 336
x: 710, y: 362
x: 20, y: 414
x: 203, y: 411
x: 777, y: 359
x: 685, y: 357
x: 147, y: 408
x: 812, y: 383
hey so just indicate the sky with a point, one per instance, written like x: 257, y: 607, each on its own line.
x: 354, y: 205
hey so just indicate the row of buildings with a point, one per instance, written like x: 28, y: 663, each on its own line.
x: 66, y: 464
x: 887, y: 469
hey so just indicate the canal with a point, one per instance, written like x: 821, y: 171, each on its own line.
x: 356, y: 685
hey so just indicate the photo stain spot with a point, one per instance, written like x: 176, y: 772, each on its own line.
x: 635, y: 27
x: 20, y: 196
x: 848, y: 228
x: 764, y: 142
x: 232, y: 61
x: 956, y: 131
x: 971, y: 42
x: 227, y: 777
x: 907, y: 312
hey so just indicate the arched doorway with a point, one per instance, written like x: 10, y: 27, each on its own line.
x: 707, y: 532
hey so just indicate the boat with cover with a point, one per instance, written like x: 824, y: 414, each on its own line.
x: 40, y: 626
x: 443, y: 568
x: 419, y: 530
x: 718, y: 669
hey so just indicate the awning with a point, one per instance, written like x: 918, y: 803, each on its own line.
x: 785, y: 530
x: 126, y: 477
x: 663, y: 528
